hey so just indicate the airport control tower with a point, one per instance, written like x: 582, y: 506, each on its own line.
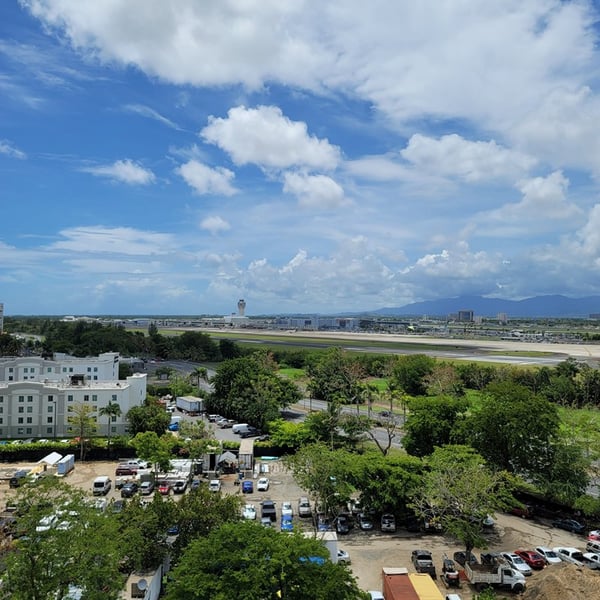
x: 241, y: 307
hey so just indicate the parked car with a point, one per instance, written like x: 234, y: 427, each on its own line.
x: 214, y: 485
x: 250, y: 432
x: 262, y: 485
x: 534, y: 559
x: 569, y: 554
x: 569, y: 525
x: 164, y: 488
x: 388, y: 523
x: 116, y: 506
x: 266, y: 522
x: 423, y: 562
x: 195, y: 485
x: 365, y: 522
x: 323, y: 522
x: 249, y: 512
x: 146, y: 488
x: 287, y: 523
x: 214, y: 418
x: 46, y: 523
x: 173, y: 530
x: 517, y: 563
x: 268, y: 510
x: 247, y: 486
x: 592, y: 560
x: 342, y: 524
x: 525, y: 511
x: 343, y: 557
x: 180, y: 486
x: 286, y: 509
x: 304, y: 508
x: 125, y: 470
x: 129, y: 490
x: 549, y: 555
x: 594, y: 536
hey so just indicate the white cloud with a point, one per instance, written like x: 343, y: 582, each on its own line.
x: 265, y: 137
x: 7, y: 148
x: 125, y: 171
x: 150, y: 113
x: 454, y: 156
x: 206, y: 180
x: 314, y: 191
x: 115, y: 240
x: 215, y: 224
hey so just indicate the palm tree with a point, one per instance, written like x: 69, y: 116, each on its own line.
x: 200, y: 374
x: 112, y: 409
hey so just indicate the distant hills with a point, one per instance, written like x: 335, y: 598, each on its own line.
x: 539, y: 306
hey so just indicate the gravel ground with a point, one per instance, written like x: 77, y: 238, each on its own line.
x: 369, y: 551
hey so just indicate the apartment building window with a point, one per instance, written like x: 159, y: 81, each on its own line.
x: 95, y: 377
x: 30, y: 409
x: 113, y: 429
x: 29, y: 398
x: 50, y: 398
x: 1, y: 420
x: 50, y: 408
x: 20, y: 431
x: 30, y: 419
x: 25, y: 370
x: 20, y: 420
x: 21, y: 398
x: 1, y: 409
x: 70, y: 369
x: 114, y: 398
x: 21, y: 409
x: 114, y: 419
x: 1, y: 398
x: 29, y: 430
x: 49, y: 420
x: 32, y: 370
x: 64, y: 369
x: 70, y: 398
x: 89, y: 369
x: 95, y: 369
x: 94, y: 398
x: 49, y: 370
x: 49, y: 430
x: 86, y: 397
x: 10, y: 369
x: 10, y: 377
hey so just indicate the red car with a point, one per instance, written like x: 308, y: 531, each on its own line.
x: 532, y: 558
x: 164, y: 488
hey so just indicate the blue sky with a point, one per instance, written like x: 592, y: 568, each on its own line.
x: 173, y: 156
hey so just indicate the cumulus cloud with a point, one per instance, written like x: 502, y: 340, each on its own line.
x: 7, y: 148
x: 265, y: 137
x: 454, y: 156
x: 124, y: 171
x: 206, y: 180
x: 215, y: 224
x: 314, y: 191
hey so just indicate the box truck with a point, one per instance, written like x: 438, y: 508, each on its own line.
x: 190, y: 404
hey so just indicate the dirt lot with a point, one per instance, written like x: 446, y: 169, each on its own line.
x: 369, y: 551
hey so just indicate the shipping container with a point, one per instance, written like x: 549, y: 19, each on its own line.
x: 397, y: 585
x: 425, y: 586
x: 65, y: 465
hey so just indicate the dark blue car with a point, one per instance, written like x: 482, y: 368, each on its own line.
x: 247, y: 487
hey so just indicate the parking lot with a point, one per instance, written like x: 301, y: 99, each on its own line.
x: 369, y: 551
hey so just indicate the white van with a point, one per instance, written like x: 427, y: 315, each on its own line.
x: 239, y: 427
x: 101, y: 486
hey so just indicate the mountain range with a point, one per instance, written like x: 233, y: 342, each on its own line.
x: 539, y: 306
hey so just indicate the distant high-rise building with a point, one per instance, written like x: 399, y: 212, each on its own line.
x: 241, y: 307
x: 502, y: 318
x: 465, y: 316
x: 1, y: 317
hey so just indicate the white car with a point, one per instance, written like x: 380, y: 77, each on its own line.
x: 592, y: 560
x: 343, y: 557
x: 46, y: 523
x: 549, y: 555
x: 286, y: 509
x: 569, y: 554
x: 262, y: 485
x: 214, y: 485
x: 517, y: 563
x: 249, y: 512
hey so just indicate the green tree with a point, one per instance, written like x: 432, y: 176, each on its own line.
x: 199, y: 374
x: 156, y: 450
x: 248, y: 561
x: 430, y: 423
x: 82, y: 548
x: 459, y: 491
x: 112, y: 409
x: 513, y: 429
x: 410, y: 373
x: 150, y: 416
x: 82, y: 423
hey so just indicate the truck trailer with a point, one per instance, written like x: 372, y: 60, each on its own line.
x: 190, y: 404
x: 399, y: 584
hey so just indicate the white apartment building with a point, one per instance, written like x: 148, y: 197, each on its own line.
x: 37, y: 395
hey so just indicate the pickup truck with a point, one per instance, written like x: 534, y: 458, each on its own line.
x: 498, y: 575
x: 268, y: 510
x: 572, y: 555
x: 423, y: 562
